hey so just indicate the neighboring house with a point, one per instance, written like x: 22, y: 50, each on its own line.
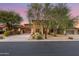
x: 26, y: 28
x: 2, y: 27
x: 75, y: 29
x: 21, y: 29
x: 17, y: 28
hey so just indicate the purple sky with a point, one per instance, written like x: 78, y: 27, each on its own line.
x: 74, y: 9
x: 21, y: 8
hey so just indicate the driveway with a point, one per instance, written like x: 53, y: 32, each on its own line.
x: 22, y: 37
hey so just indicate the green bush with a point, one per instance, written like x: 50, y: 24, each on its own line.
x: 6, y: 33
x: 37, y: 36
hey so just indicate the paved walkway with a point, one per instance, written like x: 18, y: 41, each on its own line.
x: 14, y: 38
x: 64, y: 38
x: 26, y: 37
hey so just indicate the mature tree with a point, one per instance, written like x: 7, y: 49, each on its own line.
x: 55, y: 16
x: 40, y: 12
x: 9, y: 18
x: 34, y: 12
x: 46, y: 17
x: 60, y: 18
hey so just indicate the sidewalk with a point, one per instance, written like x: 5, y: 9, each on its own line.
x: 64, y: 38
x: 15, y: 38
x: 26, y: 38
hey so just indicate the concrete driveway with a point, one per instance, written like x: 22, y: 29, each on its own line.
x: 22, y: 37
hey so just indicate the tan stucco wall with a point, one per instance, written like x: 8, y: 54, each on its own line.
x: 35, y: 26
x: 76, y: 23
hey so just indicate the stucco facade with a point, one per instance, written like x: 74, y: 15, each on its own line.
x: 36, y: 26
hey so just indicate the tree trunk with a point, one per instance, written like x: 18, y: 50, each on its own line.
x: 9, y: 26
x: 55, y: 32
x: 64, y: 32
x: 45, y: 33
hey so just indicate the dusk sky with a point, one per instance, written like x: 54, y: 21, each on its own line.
x: 21, y: 8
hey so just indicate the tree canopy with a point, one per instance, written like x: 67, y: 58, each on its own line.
x: 57, y: 15
x: 10, y: 17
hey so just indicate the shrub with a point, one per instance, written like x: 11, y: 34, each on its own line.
x: 53, y: 34
x: 6, y: 33
x: 70, y: 38
x: 37, y: 36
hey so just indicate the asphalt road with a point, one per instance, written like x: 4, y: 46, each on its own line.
x: 65, y: 48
